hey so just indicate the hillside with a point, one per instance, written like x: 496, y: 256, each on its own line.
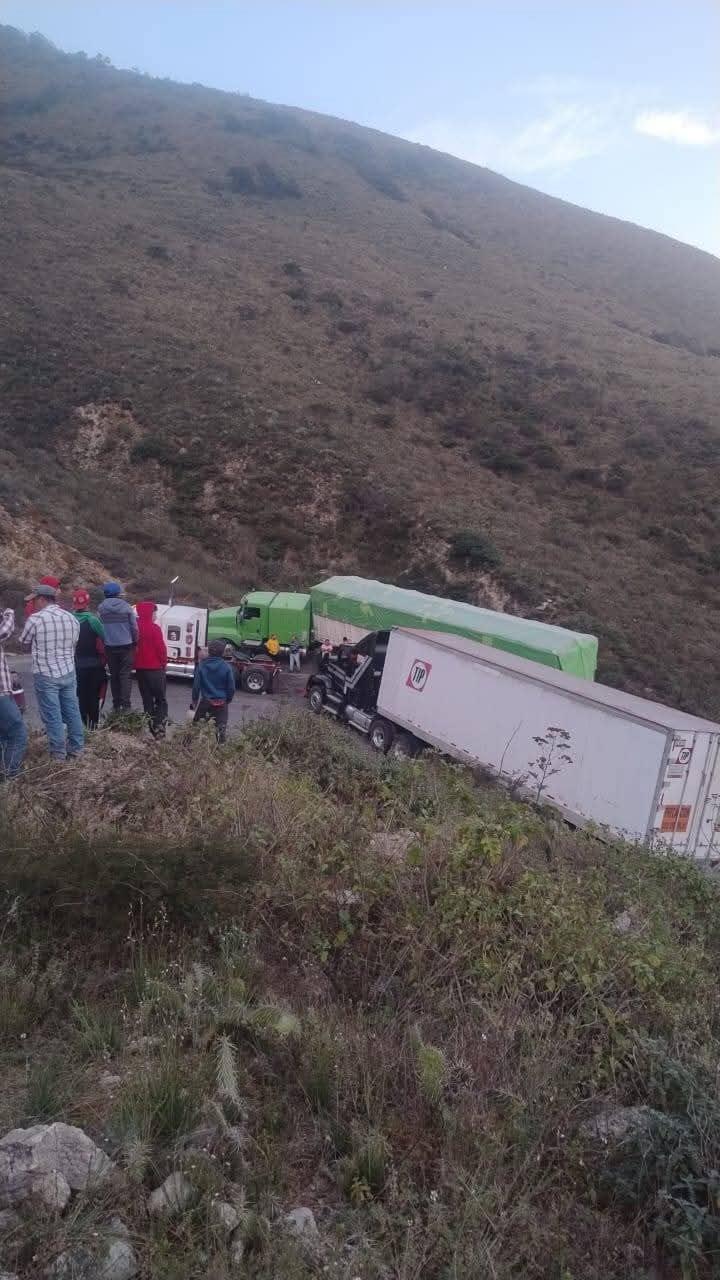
x: 450, y: 1036
x: 256, y: 345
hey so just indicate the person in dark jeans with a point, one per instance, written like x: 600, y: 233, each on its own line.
x: 89, y: 660
x: 121, y: 635
x: 13, y: 730
x: 213, y: 689
x: 150, y: 664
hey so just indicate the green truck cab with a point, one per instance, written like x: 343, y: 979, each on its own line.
x: 260, y: 615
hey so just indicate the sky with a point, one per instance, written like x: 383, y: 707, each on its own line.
x: 612, y: 104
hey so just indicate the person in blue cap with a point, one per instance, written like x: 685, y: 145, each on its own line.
x: 121, y: 636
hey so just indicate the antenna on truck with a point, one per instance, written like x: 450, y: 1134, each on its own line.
x: 172, y: 584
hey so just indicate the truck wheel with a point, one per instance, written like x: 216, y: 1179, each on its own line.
x: 381, y: 735
x: 254, y: 681
x: 405, y: 747
x: 316, y: 699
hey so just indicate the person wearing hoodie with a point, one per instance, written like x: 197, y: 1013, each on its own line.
x: 89, y: 660
x: 150, y: 664
x: 121, y: 636
x: 213, y: 689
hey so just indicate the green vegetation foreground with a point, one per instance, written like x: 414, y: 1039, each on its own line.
x: 472, y: 1042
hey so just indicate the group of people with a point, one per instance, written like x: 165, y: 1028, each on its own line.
x: 73, y: 654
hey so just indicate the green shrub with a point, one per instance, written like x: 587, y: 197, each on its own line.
x: 159, y: 1104
x: 668, y: 1168
x: 158, y: 252
x: 474, y: 549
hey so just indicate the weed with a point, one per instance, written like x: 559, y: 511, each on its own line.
x: 159, y: 1105
x: 432, y: 1070
x: 49, y: 1090
x: 552, y: 756
x: 365, y: 1170
x: 97, y: 1031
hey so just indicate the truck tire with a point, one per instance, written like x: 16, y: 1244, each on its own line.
x: 254, y: 680
x: 316, y: 699
x: 405, y: 747
x: 381, y: 735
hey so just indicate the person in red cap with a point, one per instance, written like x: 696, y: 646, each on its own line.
x: 31, y: 604
x: 89, y: 660
x: 150, y: 664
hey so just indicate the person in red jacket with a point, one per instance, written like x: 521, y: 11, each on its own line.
x: 150, y: 664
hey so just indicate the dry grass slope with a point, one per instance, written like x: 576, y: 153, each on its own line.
x: 309, y: 347
x: 303, y: 976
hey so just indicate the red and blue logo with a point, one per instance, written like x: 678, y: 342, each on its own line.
x: 418, y: 677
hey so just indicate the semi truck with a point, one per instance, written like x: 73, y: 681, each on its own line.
x: 627, y: 766
x: 346, y: 609
x: 260, y: 615
x: 184, y: 629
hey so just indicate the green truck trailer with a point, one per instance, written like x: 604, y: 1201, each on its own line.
x: 348, y: 608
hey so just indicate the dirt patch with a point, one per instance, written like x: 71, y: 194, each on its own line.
x: 29, y: 552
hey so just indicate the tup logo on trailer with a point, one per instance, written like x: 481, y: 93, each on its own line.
x: 419, y: 672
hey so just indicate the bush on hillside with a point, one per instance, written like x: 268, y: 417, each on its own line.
x: 474, y: 549
x: 261, y: 180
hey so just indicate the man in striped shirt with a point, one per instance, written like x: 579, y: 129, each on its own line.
x: 13, y: 734
x: 51, y: 634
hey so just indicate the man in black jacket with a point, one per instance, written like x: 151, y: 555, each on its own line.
x: 89, y: 660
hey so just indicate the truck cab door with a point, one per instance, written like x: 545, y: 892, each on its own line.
x: 249, y: 624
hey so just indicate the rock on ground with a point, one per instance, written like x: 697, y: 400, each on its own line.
x: 623, y: 923
x: 49, y: 1161
x: 9, y: 1221
x: 119, y: 1262
x: 53, y: 1190
x: 115, y: 1261
x: 237, y: 1250
x: 175, y: 1194
x: 302, y: 1222
x: 392, y: 845
x: 226, y: 1215
x: 613, y: 1124
x: 108, y: 1080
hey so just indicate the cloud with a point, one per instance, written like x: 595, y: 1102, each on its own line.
x: 555, y: 140
x: 553, y: 87
x: 677, y: 126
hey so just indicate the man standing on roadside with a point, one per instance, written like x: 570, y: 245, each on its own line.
x: 49, y: 581
x: 89, y: 659
x: 51, y: 634
x: 13, y: 733
x: 295, y: 650
x: 121, y: 635
x: 150, y: 664
x: 213, y: 689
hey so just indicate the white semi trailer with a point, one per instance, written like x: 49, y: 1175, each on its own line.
x: 628, y: 766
